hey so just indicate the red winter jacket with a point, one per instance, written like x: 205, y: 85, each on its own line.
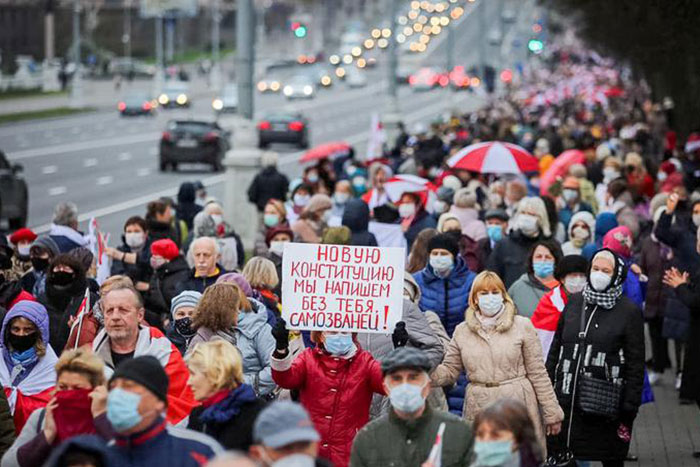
x: 336, y: 391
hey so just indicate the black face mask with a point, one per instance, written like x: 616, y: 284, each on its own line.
x: 62, y: 278
x: 40, y: 264
x: 184, y: 326
x: 5, y: 261
x: 21, y: 343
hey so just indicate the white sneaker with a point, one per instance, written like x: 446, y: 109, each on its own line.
x: 679, y: 380
x: 654, y: 377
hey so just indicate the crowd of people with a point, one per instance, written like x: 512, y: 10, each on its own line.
x: 526, y: 297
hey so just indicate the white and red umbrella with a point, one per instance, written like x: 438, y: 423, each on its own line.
x: 326, y: 151
x: 494, y: 157
x: 404, y: 183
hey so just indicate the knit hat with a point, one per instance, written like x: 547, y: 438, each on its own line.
x: 319, y: 202
x: 281, y: 229
x: 605, y: 222
x: 146, y: 371
x: 22, y: 235
x: 446, y: 194
x: 336, y: 236
x: 165, y: 248
x: 570, y: 264
x: 186, y: 298
x: 619, y: 240
x: 46, y: 243
x: 445, y: 242
x: 238, y: 279
x: 282, y: 423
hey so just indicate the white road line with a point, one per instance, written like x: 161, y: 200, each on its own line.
x: 57, y: 190
x: 125, y: 156
x: 105, y: 180
x: 143, y: 172
x: 81, y: 146
x: 49, y: 169
x: 91, y: 162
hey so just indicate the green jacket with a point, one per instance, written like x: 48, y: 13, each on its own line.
x: 392, y: 442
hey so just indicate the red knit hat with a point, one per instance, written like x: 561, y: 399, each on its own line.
x: 22, y: 235
x: 165, y: 248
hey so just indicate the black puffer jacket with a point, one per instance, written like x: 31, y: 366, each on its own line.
x: 161, y: 230
x: 186, y: 207
x: 509, y: 256
x: 616, y: 338
x: 164, y: 285
x: 689, y: 295
x: 356, y: 218
x: 268, y: 184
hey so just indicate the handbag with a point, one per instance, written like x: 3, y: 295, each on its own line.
x: 595, y: 396
x: 561, y: 459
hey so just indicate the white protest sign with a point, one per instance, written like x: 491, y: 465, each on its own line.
x: 343, y: 288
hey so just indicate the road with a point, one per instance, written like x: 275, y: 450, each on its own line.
x: 107, y: 165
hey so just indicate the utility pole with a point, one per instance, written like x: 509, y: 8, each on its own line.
x: 216, y: 44
x: 450, y: 46
x: 392, y: 115
x: 482, y: 38
x: 170, y: 38
x: 49, y: 38
x: 245, y: 57
x: 159, y: 52
x: 126, y: 37
x: 76, y: 93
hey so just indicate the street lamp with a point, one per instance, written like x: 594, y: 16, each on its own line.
x: 76, y: 93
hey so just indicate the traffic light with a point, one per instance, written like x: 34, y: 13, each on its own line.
x: 535, y: 46
x: 299, y: 29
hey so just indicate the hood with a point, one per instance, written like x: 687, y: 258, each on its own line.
x: 186, y: 193
x: 619, y: 240
x: 412, y: 288
x: 356, y: 215
x: 532, y: 281
x: 251, y: 322
x: 34, y: 312
x: 584, y: 216
x: 91, y: 444
x: 605, y: 222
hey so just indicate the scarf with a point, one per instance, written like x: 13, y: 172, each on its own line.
x: 223, y: 410
x: 610, y: 296
x: 20, y: 363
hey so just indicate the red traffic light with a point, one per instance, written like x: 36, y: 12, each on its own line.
x: 506, y: 76
x: 295, y: 25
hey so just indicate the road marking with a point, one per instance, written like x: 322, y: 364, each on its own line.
x: 81, y: 146
x: 92, y: 162
x: 57, y: 190
x: 106, y: 180
x: 125, y: 156
x: 143, y: 172
x: 49, y: 169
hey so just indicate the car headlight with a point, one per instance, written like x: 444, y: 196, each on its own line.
x: 308, y: 90
x: 181, y: 99
x: 262, y: 86
x: 163, y: 99
x: 217, y: 104
x: 326, y: 80
x: 288, y: 90
x: 275, y: 86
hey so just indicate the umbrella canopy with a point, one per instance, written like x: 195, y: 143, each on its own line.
x: 494, y: 157
x: 404, y: 183
x: 325, y: 151
x: 560, y: 167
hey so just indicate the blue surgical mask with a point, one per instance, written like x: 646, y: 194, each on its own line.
x: 123, y: 409
x: 495, y: 232
x: 494, y: 453
x: 271, y: 220
x: 407, y: 397
x: 339, y: 344
x: 543, y: 268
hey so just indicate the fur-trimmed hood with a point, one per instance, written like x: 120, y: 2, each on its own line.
x: 504, y: 323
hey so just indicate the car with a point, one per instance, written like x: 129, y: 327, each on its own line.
x: 227, y: 101
x: 202, y: 141
x: 508, y: 15
x: 299, y: 87
x: 174, y: 94
x: 128, y: 67
x: 494, y: 37
x: 136, y: 104
x: 269, y: 84
x: 321, y: 75
x: 14, y: 195
x: 403, y: 74
x: 459, y: 79
x: 356, y: 79
x: 283, y: 127
x: 424, y: 79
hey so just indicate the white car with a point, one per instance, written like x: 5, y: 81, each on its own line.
x: 356, y: 79
x: 299, y: 87
x: 227, y: 101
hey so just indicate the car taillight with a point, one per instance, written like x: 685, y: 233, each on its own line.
x: 121, y: 106
x: 264, y: 125
x: 210, y: 137
x: 166, y: 136
x: 146, y: 106
x: 411, y: 80
x: 443, y: 81
x: 296, y: 126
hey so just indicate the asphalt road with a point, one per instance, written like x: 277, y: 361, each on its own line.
x: 107, y: 165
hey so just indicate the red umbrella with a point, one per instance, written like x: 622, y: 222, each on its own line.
x: 560, y: 167
x: 494, y: 157
x: 324, y: 151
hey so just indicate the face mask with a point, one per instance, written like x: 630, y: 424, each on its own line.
x: 5, y: 262
x: 157, y: 262
x: 295, y: 460
x: 440, y: 206
x: 574, y: 284
x: 123, y: 409
x: 341, y: 198
x: 277, y: 248
x: 339, y: 344
x: 543, y: 269
x: 580, y: 233
x: 662, y: 176
x: 72, y: 414
x: 490, y: 304
x: 271, y: 220
x: 495, y: 232
x: 600, y: 280
x: 40, y: 264
x: 495, y: 200
x: 528, y: 224
x: 696, y: 220
x: 217, y: 218
x: 301, y: 200
x: 569, y: 195
x: 184, y: 326
x: 610, y: 173
x: 313, y: 178
x: 62, y: 278
x: 22, y: 343
x: 134, y: 239
x: 493, y: 453
x: 407, y: 210
x: 23, y: 250
x: 442, y: 265
x: 407, y: 398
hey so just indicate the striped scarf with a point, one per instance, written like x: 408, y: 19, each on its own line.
x: 606, y: 299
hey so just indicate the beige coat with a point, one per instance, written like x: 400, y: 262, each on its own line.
x: 505, y: 362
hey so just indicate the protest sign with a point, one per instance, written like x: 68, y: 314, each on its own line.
x: 342, y: 288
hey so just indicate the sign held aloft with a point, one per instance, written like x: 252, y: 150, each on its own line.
x: 342, y: 288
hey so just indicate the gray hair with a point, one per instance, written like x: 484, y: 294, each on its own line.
x: 465, y: 198
x: 65, y: 214
x: 211, y: 241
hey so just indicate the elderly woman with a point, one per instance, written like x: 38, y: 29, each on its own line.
x: 70, y: 412
x: 509, y: 256
x: 274, y: 216
x: 261, y: 274
x: 502, y: 355
x: 229, y: 405
x: 313, y: 219
x: 465, y: 209
x: 580, y: 233
x: 224, y: 313
x: 539, y: 279
x: 599, y: 348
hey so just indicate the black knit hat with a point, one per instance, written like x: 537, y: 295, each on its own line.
x: 570, y: 264
x: 444, y: 241
x: 146, y: 371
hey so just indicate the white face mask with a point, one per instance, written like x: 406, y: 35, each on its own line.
x: 134, y: 239
x: 442, y: 265
x: 569, y: 195
x: 217, y: 218
x: 277, y: 248
x: 301, y: 200
x: 574, y: 284
x: 326, y: 216
x: 528, y: 224
x: 696, y: 220
x: 23, y: 250
x: 294, y: 460
x: 580, y: 233
x: 600, y: 280
x: 407, y: 210
x: 341, y: 198
x: 662, y: 176
x: 610, y: 173
x: 490, y: 304
x: 440, y: 206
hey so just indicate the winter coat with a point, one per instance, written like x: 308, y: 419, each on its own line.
x: 164, y: 285
x: 308, y: 230
x: 356, y: 218
x: 653, y: 264
x: 420, y: 336
x: 67, y: 238
x: 472, y: 226
x: 268, y: 184
x: 336, y: 392
x: 505, y: 362
x: 569, y: 248
x: 162, y: 230
x: 509, y: 256
x: 526, y: 293
x: 7, y: 425
x: 141, y: 271
x: 93, y: 444
x: 393, y: 441
x: 18, y: 270
x: 11, y: 292
x: 566, y: 213
x: 422, y: 221
x: 186, y: 206
x: 681, y: 237
x: 199, y: 283
x: 253, y: 338
x: 616, y: 338
x: 179, y: 341
x: 448, y: 297
x: 689, y: 295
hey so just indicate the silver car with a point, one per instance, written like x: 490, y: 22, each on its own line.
x: 227, y: 101
x: 299, y: 87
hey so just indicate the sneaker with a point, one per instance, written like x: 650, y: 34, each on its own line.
x: 679, y: 381
x: 654, y: 377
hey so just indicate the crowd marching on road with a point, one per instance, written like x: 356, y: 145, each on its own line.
x: 541, y: 234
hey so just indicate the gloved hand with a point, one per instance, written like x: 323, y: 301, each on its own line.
x: 281, y: 334
x: 400, y: 335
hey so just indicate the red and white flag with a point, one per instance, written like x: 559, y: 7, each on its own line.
x: 98, y: 247
x: 83, y: 309
x: 435, y: 457
x: 546, y: 316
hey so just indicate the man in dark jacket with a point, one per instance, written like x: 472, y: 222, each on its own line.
x: 406, y: 435
x: 186, y: 206
x: 268, y: 184
x: 170, y: 270
x: 356, y: 218
x: 64, y: 228
x: 206, y: 270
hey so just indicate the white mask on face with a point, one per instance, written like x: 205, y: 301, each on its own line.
x: 696, y: 220
x: 490, y: 304
x: 528, y: 224
x: 326, y: 216
x: 440, y: 206
x: 407, y: 210
x: 277, y: 248
x: 600, y: 280
x: 610, y: 173
x: 23, y: 250
x: 217, y: 218
x: 341, y: 198
x: 134, y: 239
x: 580, y: 233
x: 301, y: 200
x: 574, y: 284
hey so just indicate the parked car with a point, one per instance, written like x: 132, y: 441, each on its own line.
x: 194, y: 141
x: 14, y: 195
x: 174, y: 94
x: 269, y: 84
x: 136, y: 104
x: 299, y: 87
x: 227, y: 101
x: 280, y: 127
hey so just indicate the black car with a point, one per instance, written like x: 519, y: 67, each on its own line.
x: 283, y: 128
x: 193, y: 141
x: 136, y: 104
x: 14, y: 196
